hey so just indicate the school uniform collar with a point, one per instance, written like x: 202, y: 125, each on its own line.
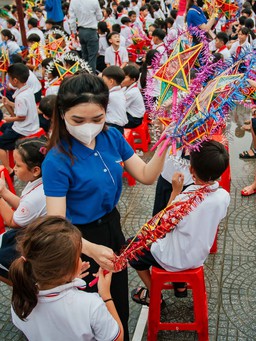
x: 115, y: 88
x: 60, y: 291
x: 133, y: 85
x: 18, y: 91
x: 212, y: 187
x: 32, y: 185
x: 112, y: 48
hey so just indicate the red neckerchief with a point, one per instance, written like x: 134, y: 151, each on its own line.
x: 238, y: 51
x: 221, y: 48
x: 118, y: 60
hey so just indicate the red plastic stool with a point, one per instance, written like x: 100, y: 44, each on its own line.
x: 129, y: 137
x: 11, y: 188
x: 141, y: 136
x: 39, y: 133
x: 131, y: 181
x: 195, y: 280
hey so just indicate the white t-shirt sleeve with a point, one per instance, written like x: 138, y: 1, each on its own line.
x: 25, y: 213
x: 107, y: 56
x: 104, y: 326
x: 125, y: 56
x: 20, y: 108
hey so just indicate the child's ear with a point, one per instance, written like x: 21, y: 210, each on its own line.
x: 36, y: 171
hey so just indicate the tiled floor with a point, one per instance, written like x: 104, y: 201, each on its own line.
x: 230, y: 274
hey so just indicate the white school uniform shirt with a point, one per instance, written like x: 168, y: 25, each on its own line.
x: 25, y: 105
x: 134, y: 101
x: 103, y: 44
x: 32, y: 204
x: 188, y: 245
x: 135, y: 9
x: 110, y: 56
x: 116, y: 109
x: 12, y: 47
x: 225, y: 53
x: 65, y: 313
x: 127, y: 34
x: 17, y: 35
x: 156, y: 83
x: 52, y: 89
x: 162, y: 50
x: 172, y: 165
x: 33, y: 82
x: 36, y: 30
x: 246, y: 48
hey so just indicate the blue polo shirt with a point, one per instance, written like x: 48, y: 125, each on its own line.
x: 92, y: 185
x: 195, y: 17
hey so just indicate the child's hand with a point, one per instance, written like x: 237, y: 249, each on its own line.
x: 2, y: 183
x: 177, y: 182
x: 83, y: 273
x: 104, y: 284
x: 7, y: 118
x: 5, y: 100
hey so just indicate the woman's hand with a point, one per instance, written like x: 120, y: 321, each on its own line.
x: 102, y: 255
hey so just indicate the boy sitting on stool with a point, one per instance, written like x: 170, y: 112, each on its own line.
x: 188, y: 245
x: 116, y: 110
x: 135, y: 107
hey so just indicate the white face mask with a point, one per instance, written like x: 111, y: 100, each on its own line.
x: 86, y: 132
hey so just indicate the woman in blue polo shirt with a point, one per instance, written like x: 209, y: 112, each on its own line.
x: 196, y: 18
x: 82, y: 175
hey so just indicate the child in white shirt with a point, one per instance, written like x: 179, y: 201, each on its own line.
x: 188, y: 245
x: 116, y: 116
x: 135, y: 108
x: 28, y: 156
x: 241, y: 47
x: 158, y: 36
x: 103, y: 31
x: 116, y: 54
x: 49, y: 302
x: 220, y: 43
x: 23, y: 112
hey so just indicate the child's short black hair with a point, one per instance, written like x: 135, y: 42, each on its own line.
x: 46, y: 61
x: 249, y: 23
x: 33, y: 38
x: 110, y: 35
x: 47, y: 104
x: 50, y: 21
x: 116, y: 28
x: 114, y: 72
x: 158, y: 32
x: 242, y: 19
x: 18, y: 71
x: 132, y: 71
x: 169, y: 20
x: 174, y: 13
x: 11, y: 21
x: 16, y: 58
x: 33, y: 22
x: 223, y: 37
x: 247, y: 11
x: 210, y: 161
x: 130, y: 13
x: 244, y: 30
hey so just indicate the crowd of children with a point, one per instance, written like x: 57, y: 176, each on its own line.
x: 82, y: 163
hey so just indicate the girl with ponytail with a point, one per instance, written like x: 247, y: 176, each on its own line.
x: 48, y: 301
x: 9, y: 42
